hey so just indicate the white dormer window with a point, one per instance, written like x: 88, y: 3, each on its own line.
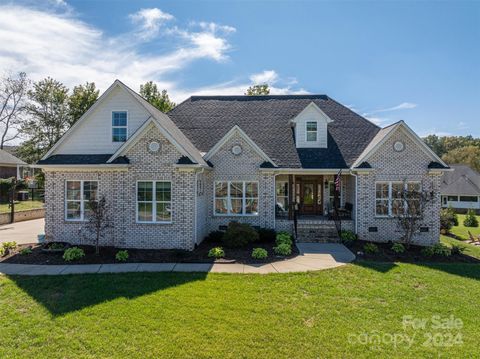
x: 119, y: 126
x: 311, y: 130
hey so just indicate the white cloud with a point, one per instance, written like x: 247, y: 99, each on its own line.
x: 265, y: 77
x: 402, y: 106
x: 150, y: 21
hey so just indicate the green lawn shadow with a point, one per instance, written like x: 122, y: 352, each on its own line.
x: 62, y: 294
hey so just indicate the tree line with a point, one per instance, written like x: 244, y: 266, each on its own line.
x: 456, y: 149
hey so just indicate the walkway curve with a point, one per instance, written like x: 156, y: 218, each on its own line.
x: 312, y: 257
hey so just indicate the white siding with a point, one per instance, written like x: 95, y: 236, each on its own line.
x: 308, y: 115
x: 94, y: 134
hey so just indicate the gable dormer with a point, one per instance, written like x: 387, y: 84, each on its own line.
x: 310, y: 127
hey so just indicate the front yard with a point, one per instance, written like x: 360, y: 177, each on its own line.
x: 461, y: 231
x: 333, y: 313
x: 21, y: 206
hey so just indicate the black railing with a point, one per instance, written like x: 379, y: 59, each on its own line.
x: 338, y: 220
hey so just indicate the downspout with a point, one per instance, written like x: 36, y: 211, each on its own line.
x: 356, y: 202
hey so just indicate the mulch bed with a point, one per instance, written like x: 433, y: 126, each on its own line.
x: 412, y: 255
x: 107, y: 255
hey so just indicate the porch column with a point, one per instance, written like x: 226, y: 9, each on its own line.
x: 290, y: 196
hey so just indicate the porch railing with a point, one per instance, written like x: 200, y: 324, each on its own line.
x: 337, y: 219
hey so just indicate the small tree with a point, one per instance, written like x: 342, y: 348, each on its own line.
x: 161, y: 100
x: 98, y: 220
x: 258, y: 90
x: 410, y: 213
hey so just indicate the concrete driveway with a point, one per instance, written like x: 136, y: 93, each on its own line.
x: 22, y: 232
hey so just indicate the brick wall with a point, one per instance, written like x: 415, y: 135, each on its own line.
x: 410, y: 165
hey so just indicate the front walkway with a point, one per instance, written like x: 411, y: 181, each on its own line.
x: 312, y: 257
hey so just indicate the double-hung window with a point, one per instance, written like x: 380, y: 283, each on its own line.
x: 311, y: 130
x: 281, y: 192
x: 77, y: 197
x: 154, y: 201
x: 236, y: 198
x: 119, y: 126
x: 390, y: 199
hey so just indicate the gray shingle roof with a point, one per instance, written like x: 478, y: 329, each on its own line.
x: 461, y: 181
x: 9, y: 159
x: 266, y: 120
x: 82, y: 160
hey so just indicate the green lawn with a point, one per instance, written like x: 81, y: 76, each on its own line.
x: 470, y: 250
x: 21, y: 206
x: 462, y: 231
x: 186, y: 315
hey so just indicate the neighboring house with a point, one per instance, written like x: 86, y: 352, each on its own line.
x: 461, y: 189
x: 10, y: 166
x: 170, y: 179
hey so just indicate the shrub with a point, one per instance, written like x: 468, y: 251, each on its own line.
x: 26, y: 251
x: 441, y: 250
x: 239, y: 235
x: 121, y: 256
x: 56, y: 245
x: 283, y: 238
x: 283, y: 249
x: 267, y: 235
x: 370, y: 248
x: 471, y: 219
x: 215, y: 236
x: 398, y: 248
x: 453, y: 215
x: 73, y: 254
x: 2, y: 252
x: 446, y: 220
x: 216, y: 252
x: 427, y: 251
x: 457, y: 249
x: 259, y: 253
x: 9, y: 246
x: 347, y: 237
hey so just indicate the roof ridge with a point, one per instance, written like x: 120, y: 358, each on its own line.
x: 258, y: 97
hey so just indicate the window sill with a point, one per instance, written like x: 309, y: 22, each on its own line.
x: 235, y: 215
x: 152, y: 222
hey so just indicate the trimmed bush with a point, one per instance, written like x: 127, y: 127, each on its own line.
x: 9, y: 247
x: 427, y: 251
x: 283, y: 238
x: 441, y: 250
x: 215, y: 236
x: 283, y: 249
x: 398, y: 248
x: 347, y: 237
x: 267, y: 235
x: 73, y: 254
x: 121, y: 256
x: 239, y: 235
x: 457, y: 249
x: 370, y: 248
x: 26, y: 251
x: 471, y: 219
x: 216, y: 252
x: 259, y: 253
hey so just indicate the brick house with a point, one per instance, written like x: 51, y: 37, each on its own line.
x: 170, y: 179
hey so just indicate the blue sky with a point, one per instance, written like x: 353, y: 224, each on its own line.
x: 389, y: 61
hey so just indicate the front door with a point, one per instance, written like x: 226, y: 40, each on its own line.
x: 311, y: 196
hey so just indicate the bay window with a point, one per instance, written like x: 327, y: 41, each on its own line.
x: 236, y: 198
x: 154, y: 202
x: 77, y: 197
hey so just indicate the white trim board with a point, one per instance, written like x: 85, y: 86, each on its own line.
x: 314, y: 106
x: 236, y: 129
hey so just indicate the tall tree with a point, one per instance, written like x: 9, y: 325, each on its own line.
x: 258, y: 90
x: 468, y: 155
x: 82, y: 98
x: 48, y: 118
x: 13, y: 93
x: 160, y: 100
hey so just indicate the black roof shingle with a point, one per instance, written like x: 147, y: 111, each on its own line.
x: 266, y: 120
x: 82, y: 160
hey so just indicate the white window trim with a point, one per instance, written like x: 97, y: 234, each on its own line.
x: 307, y: 131
x: 82, y: 201
x: 112, y: 126
x: 154, y: 202
x: 390, y: 198
x: 244, y: 198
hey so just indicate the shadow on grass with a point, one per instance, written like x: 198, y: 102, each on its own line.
x: 64, y: 294
x: 469, y: 270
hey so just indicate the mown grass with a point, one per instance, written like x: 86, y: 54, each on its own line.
x: 192, y: 315
x: 21, y: 206
x: 461, y: 231
x: 470, y: 249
